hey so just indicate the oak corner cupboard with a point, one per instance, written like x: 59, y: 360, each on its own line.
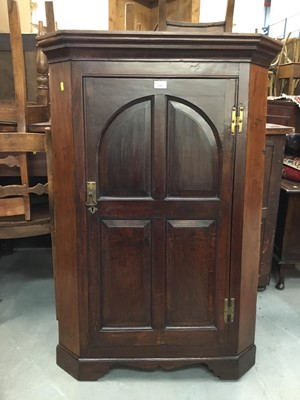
x: 158, y: 143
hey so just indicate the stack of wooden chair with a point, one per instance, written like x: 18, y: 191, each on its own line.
x: 165, y: 15
x: 22, y: 138
x: 284, y: 73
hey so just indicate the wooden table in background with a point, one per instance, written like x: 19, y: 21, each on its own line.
x: 274, y: 152
x: 286, y: 248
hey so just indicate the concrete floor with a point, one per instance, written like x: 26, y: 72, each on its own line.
x: 28, y: 337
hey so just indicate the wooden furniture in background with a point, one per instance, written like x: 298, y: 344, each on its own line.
x: 18, y: 117
x: 284, y: 112
x: 285, y: 69
x: 24, y: 97
x: 157, y: 187
x: 289, y: 67
x: 287, y: 249
x: 291, y: 73
x: 20, y: 216
x: 168, y: 24
x: 20, y: 113
x: 164, y: 15
x: 144, y: 14
x: 286, y: 243
x: 7, y: 91
x: 36, y: 161
x: 50, y: 18
x: 274, y: 152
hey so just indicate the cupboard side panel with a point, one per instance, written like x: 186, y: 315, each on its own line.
x: 252, y: 213
x: 65, y: 254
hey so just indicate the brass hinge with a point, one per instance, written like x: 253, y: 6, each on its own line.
x: 237, y: 116
x: 91, y: 199
x: 229, y: 310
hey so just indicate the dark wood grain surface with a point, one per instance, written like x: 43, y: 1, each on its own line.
x: 143, y: 276
x: 274, y: 152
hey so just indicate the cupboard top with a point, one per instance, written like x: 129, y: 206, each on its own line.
x: 99, y: 45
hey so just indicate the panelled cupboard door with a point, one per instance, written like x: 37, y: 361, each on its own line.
x: 162, y: 156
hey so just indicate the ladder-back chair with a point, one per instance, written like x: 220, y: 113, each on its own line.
x: 19, y: 215
x: 20, y: 113
x: 202, y: 27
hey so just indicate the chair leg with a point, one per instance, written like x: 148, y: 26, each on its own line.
x: 280, y: 285
x: 291, y: 86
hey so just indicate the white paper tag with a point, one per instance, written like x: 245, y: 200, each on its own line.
x: 160, y: 84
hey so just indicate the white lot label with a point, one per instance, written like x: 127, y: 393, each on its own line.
x: 160, y: 84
